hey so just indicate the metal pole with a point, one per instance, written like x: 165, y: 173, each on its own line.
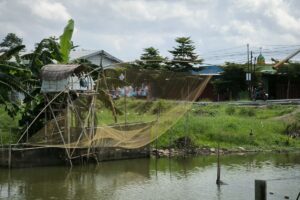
x: 125, y: 100
x: 254, y: 65
x: 248, y: 70
x: 248, y: 57
x: 260, y: 190
x: 251, y: 71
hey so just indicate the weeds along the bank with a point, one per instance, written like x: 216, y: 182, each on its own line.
x: 234, y: 126
x: 266, y: 127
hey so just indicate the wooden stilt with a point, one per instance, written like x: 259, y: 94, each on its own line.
x: 49, y: 102
x: 61, y: 135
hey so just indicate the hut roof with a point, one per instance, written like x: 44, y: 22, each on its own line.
x: 55, y: 72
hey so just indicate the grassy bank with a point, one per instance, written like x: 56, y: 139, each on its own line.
x: 231, y: 126
x: 206, y: 125
x: 235, y: 126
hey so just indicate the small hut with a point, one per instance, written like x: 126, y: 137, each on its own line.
x: 58, y: 77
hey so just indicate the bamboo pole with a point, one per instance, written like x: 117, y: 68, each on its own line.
x: 27, y: 132
x: 67, y: 121
x: 49, y: 102
x: 61, y: 135
x: 82, y: 127
x: 46, y: 127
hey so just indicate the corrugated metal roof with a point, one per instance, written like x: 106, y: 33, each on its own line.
x: 85, y: 54
x: 209, y: 70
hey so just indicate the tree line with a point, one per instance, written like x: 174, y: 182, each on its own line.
x: 20, y: 71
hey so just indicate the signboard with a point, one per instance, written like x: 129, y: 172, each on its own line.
x: 248, y: 76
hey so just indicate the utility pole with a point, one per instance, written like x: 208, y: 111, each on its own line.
x: 251, y: 71
x: 248, y: 57
x: 248, y: 74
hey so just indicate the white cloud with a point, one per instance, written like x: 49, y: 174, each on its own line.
x: 49, y: 10
x: 125, y: 27
x: 155, y: 10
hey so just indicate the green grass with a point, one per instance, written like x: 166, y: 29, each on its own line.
x: 231, y: 127
x: 206, y: 125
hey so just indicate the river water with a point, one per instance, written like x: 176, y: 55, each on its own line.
x: 175, y: 178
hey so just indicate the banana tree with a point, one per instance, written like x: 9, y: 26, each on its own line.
x: 12, y: 76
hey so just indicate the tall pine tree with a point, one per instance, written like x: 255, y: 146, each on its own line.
x: 151, y: 59
x: 184, y: 56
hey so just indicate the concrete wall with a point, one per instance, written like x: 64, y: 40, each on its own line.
x: 50, y: 156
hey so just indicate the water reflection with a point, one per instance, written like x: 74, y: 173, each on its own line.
x: 176, y: 178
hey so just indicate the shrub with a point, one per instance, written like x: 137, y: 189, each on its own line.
x: 293, y: 130
x: 230, y: 110
x: 161, y: 106
x: 247, y: 112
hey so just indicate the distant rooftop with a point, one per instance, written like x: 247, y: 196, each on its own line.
x: 209, y: 70
x: 84, y: 54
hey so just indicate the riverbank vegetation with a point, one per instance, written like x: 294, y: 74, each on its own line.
x: 268, y: 127
x: 232, y: 126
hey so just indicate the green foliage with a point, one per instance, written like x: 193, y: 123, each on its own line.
x: 184, y: 55
x: 293, y: 130
x: 13, y: 51
x: 11, y: 40
x: 151, y: 59
x: 230, y: 110
x: 247, y: 112
x: 160, y: 106
x: 232, y: 81
x: 291, y: 70
x: 13, y: 76
x: 65, y: 41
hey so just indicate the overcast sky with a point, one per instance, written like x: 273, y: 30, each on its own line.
x: 220, y: 28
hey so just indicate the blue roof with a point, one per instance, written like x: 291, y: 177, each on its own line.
x: 208, y: 70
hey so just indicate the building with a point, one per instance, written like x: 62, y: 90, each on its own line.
x: 278, y: 85
x: 214, y: 71
x: 57, y: 78
x: 95, y: 57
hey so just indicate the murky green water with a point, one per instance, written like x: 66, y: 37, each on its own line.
x: 190, y: 178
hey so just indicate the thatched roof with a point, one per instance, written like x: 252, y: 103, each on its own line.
x: 55, y: 72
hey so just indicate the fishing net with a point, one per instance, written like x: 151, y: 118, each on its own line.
x: 127, y: 108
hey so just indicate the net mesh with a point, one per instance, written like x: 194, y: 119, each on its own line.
x: 128, y: 108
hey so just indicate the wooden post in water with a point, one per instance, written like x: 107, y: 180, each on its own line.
x: 218, y: 181
x: 9, y: 150
x: 170, y: 142
x: 260, y: 190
